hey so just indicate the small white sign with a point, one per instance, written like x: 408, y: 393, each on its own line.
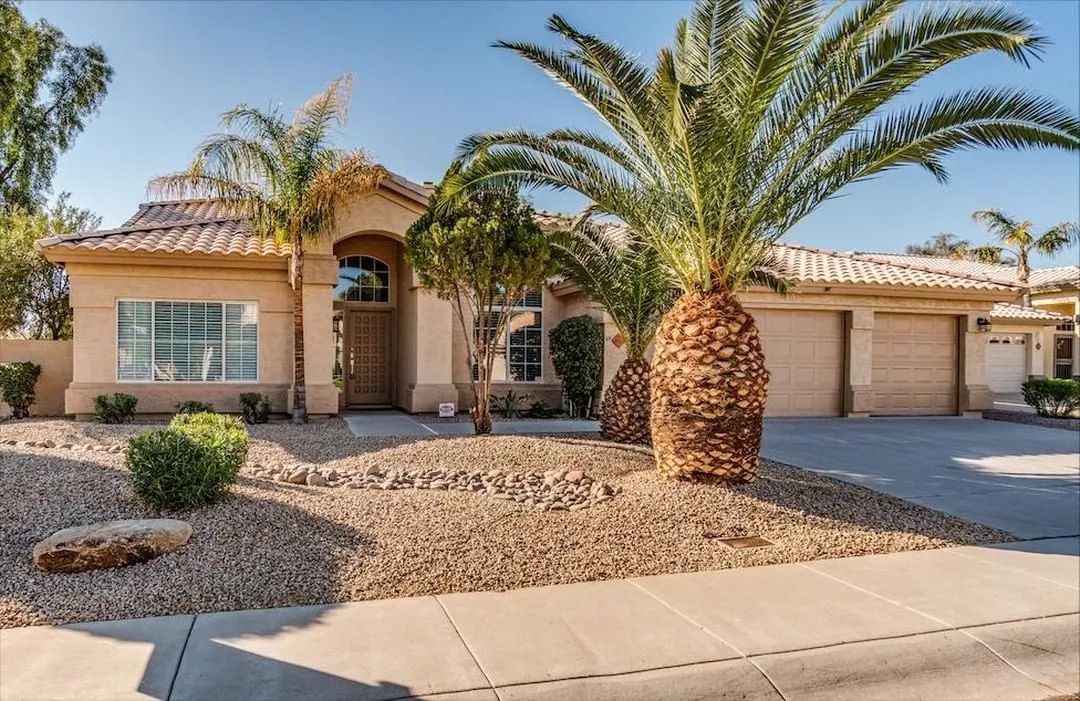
x: 447, y: 410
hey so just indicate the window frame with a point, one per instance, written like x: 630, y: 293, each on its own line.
x: 521, y: 307
x: 389, y: 279
x: 153, y: 321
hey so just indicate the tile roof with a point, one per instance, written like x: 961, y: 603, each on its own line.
x: 177, y: 226
x: 203, y: 227
x: 1062, y: 276
x: 1016, y: 312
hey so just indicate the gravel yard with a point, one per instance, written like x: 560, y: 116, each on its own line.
x: 278, y: 544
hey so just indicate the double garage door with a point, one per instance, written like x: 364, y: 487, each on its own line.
x: 914, y: 362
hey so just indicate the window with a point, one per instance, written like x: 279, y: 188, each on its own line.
x: 166, y: 341
x: 362, y: 279
x: 520, y: 356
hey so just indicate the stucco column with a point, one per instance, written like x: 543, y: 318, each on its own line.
x: 859, y: 393
x: 425, y: 336
x: 975, y: 394
x: 320, y: 276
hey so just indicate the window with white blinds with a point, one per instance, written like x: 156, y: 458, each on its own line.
x: 172, y: 341
x: 519, y: 354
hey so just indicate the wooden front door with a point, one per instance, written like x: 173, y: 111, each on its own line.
x: 369, y: 356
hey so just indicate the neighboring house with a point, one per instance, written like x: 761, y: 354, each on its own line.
x: 182, y: 302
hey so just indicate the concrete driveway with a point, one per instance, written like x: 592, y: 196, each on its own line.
x: 1021, y: 479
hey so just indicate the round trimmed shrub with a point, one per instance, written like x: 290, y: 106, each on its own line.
x: 17, y: 382
x: 116, y: 408
x: 255, y: 407
x: 1051, y: 397
x: 194, y: 406
x: 192, y: 462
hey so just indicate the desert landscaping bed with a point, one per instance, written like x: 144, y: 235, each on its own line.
x: 275, y: 543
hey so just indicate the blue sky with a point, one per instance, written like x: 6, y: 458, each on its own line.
x: 426, y: 76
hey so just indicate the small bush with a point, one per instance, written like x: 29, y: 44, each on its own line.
x: 1055, y: 398
x: 255, y: 407
x: 191, y: 462
x: 17, y: 382
x: 193, y: 406
x: 114, y: 408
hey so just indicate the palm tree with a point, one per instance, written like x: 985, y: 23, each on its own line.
x: 627, y: 278
x: 942, y: 245
x: 754, y: 117
x: 1017, y: 240
x: 286, y: 178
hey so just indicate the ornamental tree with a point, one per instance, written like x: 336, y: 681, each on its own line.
x: 480, y: 253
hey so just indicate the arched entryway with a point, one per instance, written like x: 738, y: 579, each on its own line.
x: 365, y: 319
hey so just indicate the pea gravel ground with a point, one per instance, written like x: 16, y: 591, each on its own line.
x: 275, y: 544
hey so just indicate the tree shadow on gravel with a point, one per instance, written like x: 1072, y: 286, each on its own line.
x: 264, y: 546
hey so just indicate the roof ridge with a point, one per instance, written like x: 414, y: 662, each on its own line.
x: 189, y: 200
x: 149, y: 226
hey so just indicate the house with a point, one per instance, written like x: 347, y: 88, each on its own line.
x: 183, y: 302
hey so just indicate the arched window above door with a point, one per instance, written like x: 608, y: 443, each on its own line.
x: 362, y: 279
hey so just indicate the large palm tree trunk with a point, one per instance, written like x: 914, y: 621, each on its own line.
x: 624, y: 413
x: 708, y: 389
x: 299, y: 411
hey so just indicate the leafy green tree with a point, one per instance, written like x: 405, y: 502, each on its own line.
x: 756, y: 115
x: 34, y: 295
x: 48, y: 89
x: 286, y: 178
x: 1016, y: 239
x: 482, y: 254
x: 941, y: 245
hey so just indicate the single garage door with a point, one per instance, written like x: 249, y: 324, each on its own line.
x: 1006, y: 363
x: 914, y: 364
x: 804, y: 351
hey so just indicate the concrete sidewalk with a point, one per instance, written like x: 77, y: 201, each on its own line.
x: 398, y: 424
x: 999, y: 622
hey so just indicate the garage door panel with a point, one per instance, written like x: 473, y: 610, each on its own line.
x: 1006, y: 362
x: 804, y: 353
x: 914, y: 361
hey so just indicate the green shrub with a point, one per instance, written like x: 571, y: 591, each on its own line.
x: 1049, y: 397
x: 114, y: 408
x: 577, y: 351
x: 255, y: 407
x: 191, y: 462
x: 17, y: 382
x: 194, y: 406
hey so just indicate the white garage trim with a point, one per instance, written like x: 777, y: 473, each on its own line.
x: 1007, y: 362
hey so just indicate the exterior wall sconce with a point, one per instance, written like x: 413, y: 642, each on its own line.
x: 984, y: 324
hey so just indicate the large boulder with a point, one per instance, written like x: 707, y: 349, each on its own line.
x: 110, y: 544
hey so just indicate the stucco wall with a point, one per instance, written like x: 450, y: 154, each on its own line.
x: 97, y: 287
x: 1065, y: 302
x: 55, y: 359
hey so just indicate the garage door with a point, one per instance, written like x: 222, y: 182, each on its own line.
x: 804, y: 351
x: 914, y: 364
x: 1006, y: 363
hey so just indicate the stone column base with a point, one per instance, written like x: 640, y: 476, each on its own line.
x: 976, y: 398
x: 859, y: 400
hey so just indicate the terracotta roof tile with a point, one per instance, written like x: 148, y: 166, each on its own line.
x: 1063, y: 276
x: 1015, y: 311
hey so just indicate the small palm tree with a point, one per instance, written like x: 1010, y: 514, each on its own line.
x: 758, y: 114
x: 1017, y: 240
x: 628, y: 279
x: 286, y: 179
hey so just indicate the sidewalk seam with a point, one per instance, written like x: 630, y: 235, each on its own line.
x: 180, y: 659
x: 686, y: 618
x: 476, y: 661
x: 961, y: 630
